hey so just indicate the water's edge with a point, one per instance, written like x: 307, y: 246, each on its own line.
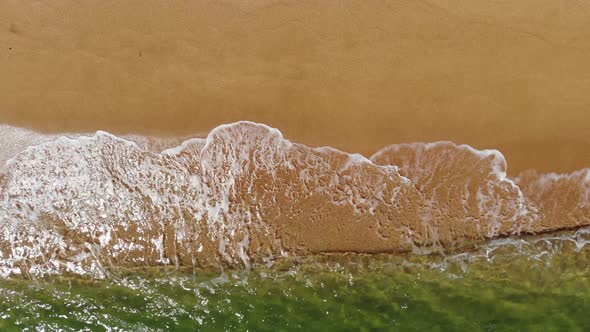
x: 244, y: 196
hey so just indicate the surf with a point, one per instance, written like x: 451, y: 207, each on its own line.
x: 244, y: 196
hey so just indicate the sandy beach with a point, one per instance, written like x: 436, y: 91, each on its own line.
x: 294, y: 165
x: 354, y: 75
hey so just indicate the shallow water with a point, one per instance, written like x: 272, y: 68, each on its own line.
x: 533, y: 284
x: 246, y: 194
x: 238, y: 232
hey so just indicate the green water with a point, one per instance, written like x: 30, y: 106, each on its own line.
x: 539, y: 285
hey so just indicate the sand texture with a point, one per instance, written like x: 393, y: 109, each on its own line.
x: 355, y: 75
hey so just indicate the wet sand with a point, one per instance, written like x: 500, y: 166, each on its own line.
x: 355, y: 75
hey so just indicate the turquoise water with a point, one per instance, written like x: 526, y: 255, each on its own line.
x: 541, y: 284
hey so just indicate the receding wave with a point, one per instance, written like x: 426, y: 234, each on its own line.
x: 244, y: 195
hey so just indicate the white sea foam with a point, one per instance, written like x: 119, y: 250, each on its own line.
x: 242, y: 194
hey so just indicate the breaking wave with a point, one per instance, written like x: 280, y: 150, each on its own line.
x: 244, y: 195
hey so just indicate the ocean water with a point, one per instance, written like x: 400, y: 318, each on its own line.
x: 533, y: 284
x: 245, y: 230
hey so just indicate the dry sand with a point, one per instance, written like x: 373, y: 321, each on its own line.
x: 356, y: 75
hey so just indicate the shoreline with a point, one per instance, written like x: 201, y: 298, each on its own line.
x: 545, y: 156
x: 245, y: 193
